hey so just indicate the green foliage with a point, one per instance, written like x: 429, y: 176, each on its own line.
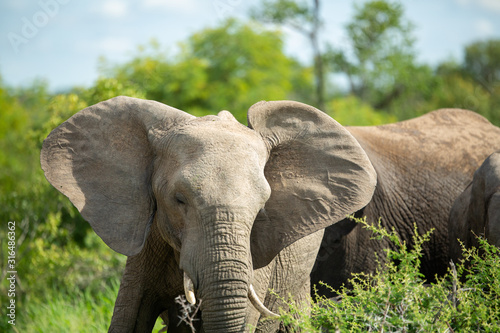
x: 478, y: 298
x: 482, y: 61
x: 453, y: 87
x: 228, y: 67
x: 151, y: 74
x: 378, y: 31
x: 351, y: 111
x: 305, y: 18
x: 396, y: 299
x: 19, y: 111
x: 106, y: 88
x: 75, y: 311
x: 55, y: 248
x: 247, y: 59
x: 482, y: 66
x: 296, y: 13
x: 380, y: 61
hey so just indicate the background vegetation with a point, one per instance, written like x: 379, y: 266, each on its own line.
x: 67, y: 277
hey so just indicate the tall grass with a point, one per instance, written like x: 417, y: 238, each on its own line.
x: 77, y: 311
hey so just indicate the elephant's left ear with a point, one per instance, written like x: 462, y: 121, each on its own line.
x: 317, y: 171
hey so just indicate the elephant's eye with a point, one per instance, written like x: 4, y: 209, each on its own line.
x: 180, y: 198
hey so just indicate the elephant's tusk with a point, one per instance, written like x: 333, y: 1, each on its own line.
x: 189, y: 289
x: 258, y: 304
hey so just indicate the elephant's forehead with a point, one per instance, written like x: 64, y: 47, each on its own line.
x: 216, y: 139
x: 229, y: 134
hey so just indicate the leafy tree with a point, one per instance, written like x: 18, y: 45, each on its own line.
x: 305, y: 18
x: 454, y: 87
x: 14, y: 120
x: 245, y: 64
x: 482, y: 62
x: 106, y: 88
x: 380, y: 63
x: 152, y: 74
x: 351, y: 111
x: 55, y: 248
x: 482, y: 66
x: 227, y: 67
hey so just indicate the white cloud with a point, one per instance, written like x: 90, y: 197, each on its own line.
x: 114, y: 8
x: 484, y: 27
x: 185, y: 5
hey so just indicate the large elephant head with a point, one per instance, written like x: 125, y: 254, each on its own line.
x: 476, y: 212
x: 226, y: 196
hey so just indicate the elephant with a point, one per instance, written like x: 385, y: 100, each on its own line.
x: 422, y: 165
x: 476, y: 212
x: 207, y: 206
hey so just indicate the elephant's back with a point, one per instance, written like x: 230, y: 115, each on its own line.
x: 422, y: 165
x: 447, y: 140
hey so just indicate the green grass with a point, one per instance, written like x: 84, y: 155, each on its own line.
x: 70, y: 312
x: 396, y: 298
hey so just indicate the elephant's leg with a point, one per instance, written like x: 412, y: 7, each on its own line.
x: 493, y: 218
x: 149, y: 285
x: 127, y: 303
x: 337, y: 245
x: 291, y: 278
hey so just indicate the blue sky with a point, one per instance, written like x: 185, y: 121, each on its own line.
x: 62, y: 40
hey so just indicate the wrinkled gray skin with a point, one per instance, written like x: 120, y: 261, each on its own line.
x: 476, y: 212
x: 422, y: 165
x: 226, y: 204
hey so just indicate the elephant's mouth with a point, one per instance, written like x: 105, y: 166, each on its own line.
x: 252, y: 296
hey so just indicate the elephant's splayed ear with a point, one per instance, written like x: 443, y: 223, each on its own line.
x: 101, y: 159
x: 317, y: 171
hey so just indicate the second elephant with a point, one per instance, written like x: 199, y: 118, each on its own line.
x: 422, y: 165
x: 476, y: 212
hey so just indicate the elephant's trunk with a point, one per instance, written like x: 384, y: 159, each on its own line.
x: 224, y: 298
x: 221, y: 268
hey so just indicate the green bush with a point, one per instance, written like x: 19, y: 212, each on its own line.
x: 396, y: 298
x: 352, y: 111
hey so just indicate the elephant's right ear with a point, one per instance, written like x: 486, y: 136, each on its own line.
x: 101, y: 159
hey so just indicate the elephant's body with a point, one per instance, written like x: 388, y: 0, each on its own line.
x: 476, y: 212
x: 206, y: 206
x: 422, y: 165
